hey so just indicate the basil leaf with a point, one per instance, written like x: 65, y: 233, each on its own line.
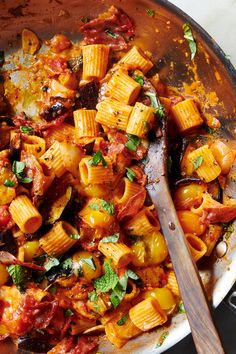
x: 74, y: 236
x: 111, y: 34
x: 108, y: 281
x: 53, y: 262
x: 26, y: 130
x: 18, y: 275
x: 67, y: 264
x: 133, y: 142
x: 139, y: 80
x: 18, y: 167
x: 25, y: 179
x: 114, y: 300
x: 210, y: 130
x: 188, y: 35
x: 108, y: 207
x: 159, y: 108
x: 181, y: 308
x: 123, y: 320
x: 162, y: 338
x: 9, y: 183
x: 197, y: 162
x: 69, y: 313
x: 112, y: 238
x: 130, y: 174
x: 150, y: 12
x: 97, y: 157
x: 90, y: 262
x: 94, y: 206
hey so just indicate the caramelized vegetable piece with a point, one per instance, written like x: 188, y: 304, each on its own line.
x: 30, y: 42
x: 59, y: 43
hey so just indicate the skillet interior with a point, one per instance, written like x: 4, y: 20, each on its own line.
x: 212, y: 79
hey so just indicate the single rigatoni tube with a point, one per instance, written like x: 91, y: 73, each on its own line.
x: 137, y: 59
x: 147, y: 314
x: 126, y: 190
x: 85, y: 124
x: 142, y: 223
x: 123, y: 88
x: 34, y: 145
x: 113, y: 114
x: 141, y: 120
x: 91, y: 174
x: 54, y: 160
x: 95, y: 60
x: 120, y: 254
x: 58, y: 241
x: 172, y: 283
x: 25, y: 215
x: 210, y: 237
x: 186, y: 115
x: 196, y: 246
x: 204, y: 163
x: 119, y: 337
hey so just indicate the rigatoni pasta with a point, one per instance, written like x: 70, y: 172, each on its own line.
x: 95, y: 60
x: 85, y: 125
x: 186, y: 115
x: 141, y: 120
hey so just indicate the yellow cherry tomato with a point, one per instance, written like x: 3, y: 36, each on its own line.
x: 86, y: 265
x: 191, y: 223
x: 164, y: 297
x: 32, y: 250
x: 189, y: 196
x: 156, y: 248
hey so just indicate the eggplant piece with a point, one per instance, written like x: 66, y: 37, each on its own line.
x: 88, y: 96
x: 7, y: 242
x: 59, y: 205
x: 54, y: 111
x: 15, y: 147
x: 33, y: 345
x: 186, y: 180
x: 89, y: 148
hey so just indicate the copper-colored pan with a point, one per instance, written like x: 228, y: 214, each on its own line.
x: 211, y: 78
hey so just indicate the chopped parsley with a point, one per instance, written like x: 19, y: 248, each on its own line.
x: 210, y: 130
x: 18, y: 275
x: 69, y: 313
x: 74, y: 236
x: 111, y: 34
x: 123, y: 319
x: 162, y: 338
x: 26, y: 130
x: 9, y: 183
x: 197, y: 162
x: 97, y: 157
x: 150, y: 12
x: 108, y: 281
x: 139, y: 80
x: 67, y: 264
x: 188, y: 35
x: 133, y: 142
x: 130, y: 174
x: 18, y: 169
x: 90, y: 262
x: 108, y: 207
x: 112, y: 238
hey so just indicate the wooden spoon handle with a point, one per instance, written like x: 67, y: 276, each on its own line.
x: 204, y: 333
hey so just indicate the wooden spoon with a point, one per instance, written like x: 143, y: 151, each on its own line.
x: 204, y: 333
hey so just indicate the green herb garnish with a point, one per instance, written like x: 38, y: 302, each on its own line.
x: 210, y: 130
x: 53, y: 262
x: 53, y: 290
x: 108, y: 281
x: 123, y: 320
x: 18, y: 169
x: 111, y: 34
x: 67, y: 264
x: 197, y: 162
x: 112, y: 238
x: 228, y: 230
x: 94, y: 206
x: 188, y: 35
x: 97, y: 157
x: 9, y: 183
x: 159, y: 108
x: 74, y: 236
x: 130, y: 174
x: 139, y: 80
x: 26, y: 130
x: 90, y: 262
x: 69, y: 313
x: 181, y: 308
x: 133, y: 142
x: 92, y: 296
x: 150, y: 12
x: 18, y: 275
x: 108, y: 207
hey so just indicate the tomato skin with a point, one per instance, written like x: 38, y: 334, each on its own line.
x: 6, y: 221
x: 191, y: 222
